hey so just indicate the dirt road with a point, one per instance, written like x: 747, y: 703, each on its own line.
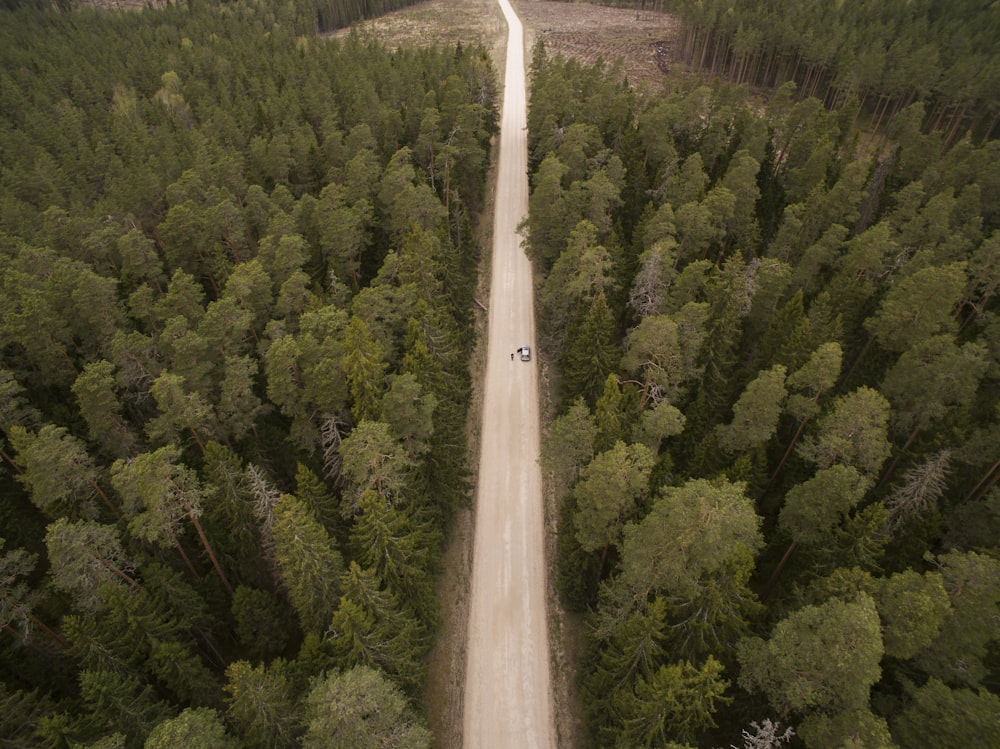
x: 508, y: 697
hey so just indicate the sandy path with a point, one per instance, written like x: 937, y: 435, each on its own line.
x: 508, y: 698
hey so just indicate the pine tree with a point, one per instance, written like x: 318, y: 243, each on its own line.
x: 261, y: 705
x: 755, y: 413
x: 159, y: 493
x: 17, y: 598
x: 196, y: 728
x: 102, y: 409
x: 364, y: 366
x: 611, y: 491
x: 793, y: 667
x: 124, y: 703
x: 58, y: 472
x: 361, y: 707
x: 87, y: 556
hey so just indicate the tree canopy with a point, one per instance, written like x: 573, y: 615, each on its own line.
x: 236, y: 262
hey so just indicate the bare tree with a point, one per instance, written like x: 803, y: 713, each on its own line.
x: 922, y: 486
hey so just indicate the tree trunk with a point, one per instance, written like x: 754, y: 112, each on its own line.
x: 788, y: 452
x: 957, y: 119
x: 781, y: 566
x: 983, y: 480
x: 899, y: 456
x: 209, y: 551
x: 119, y: 572
x: 104, y: 497
x: 184, y: 556
x: 985, y: 490
x: 57, y: 638
x: 201, y: 445
x: 17, y: 636
x: 858, y: 358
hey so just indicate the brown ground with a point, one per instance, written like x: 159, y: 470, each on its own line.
x: 643, y: 40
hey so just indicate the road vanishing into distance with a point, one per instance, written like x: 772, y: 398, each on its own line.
x: 508, y: 694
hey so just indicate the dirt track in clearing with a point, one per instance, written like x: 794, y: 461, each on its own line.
x: 643, y: 41
x: 508, y: 692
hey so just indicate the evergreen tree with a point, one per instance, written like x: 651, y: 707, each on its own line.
x: 198, y: 728
x: 793, y: 667
x: 569, y: 445
x: 159, y: 493
x: 755, y: 413
x: 360, y: 707
x: 912, y: 608
x: 399, y: 546
x: 958, y: 652
x: 853, y: 433
x: 364, y: 368
x: 712, y: 525
x: 676, y: 702
x: 87, y: 556
x: 101, y: 408
x: 58, y: 472
x: 309, y: 563
x: 17, y: 598
x: 941, y: 716
x: 371, y: 628
x: 611, y: 491
x: 373, y: 459
x: 261, y: 705
x: 123, y: 703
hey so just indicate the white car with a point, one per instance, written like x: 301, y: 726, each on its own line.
x: 525, y: 353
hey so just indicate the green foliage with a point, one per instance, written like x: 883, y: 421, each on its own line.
x: 611, y: 490
x: 215, y: 225
x: 755, y: 413
x: 569, y: 445
x: 814, y: 508
x: 675, y: 703
x: 123, y: 703
x: 940, y: 716
x: 900, y: 60
x: 261, y: 622
x: 373, y: 460
x: 793, y: 667
x: 56, y: 469
x: 398, y: 545
x: 913, y: 608
x: 372, y: 628
x: 261, y: 704
x: 195, y: 199
x: 590, y: 355
x: 361, y: 707
x: 853, y: 433
x: 309, y: 562
x: 87, y: 556
x: 851, y: 729
x: 198, y: 728
x: 710, y: 523
x: 957, y: 654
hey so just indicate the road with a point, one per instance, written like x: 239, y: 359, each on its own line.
x: 508, y: 695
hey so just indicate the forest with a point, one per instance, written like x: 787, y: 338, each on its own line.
x: 875, y: 58
x: 775, y: 447
x: 236, y: 268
